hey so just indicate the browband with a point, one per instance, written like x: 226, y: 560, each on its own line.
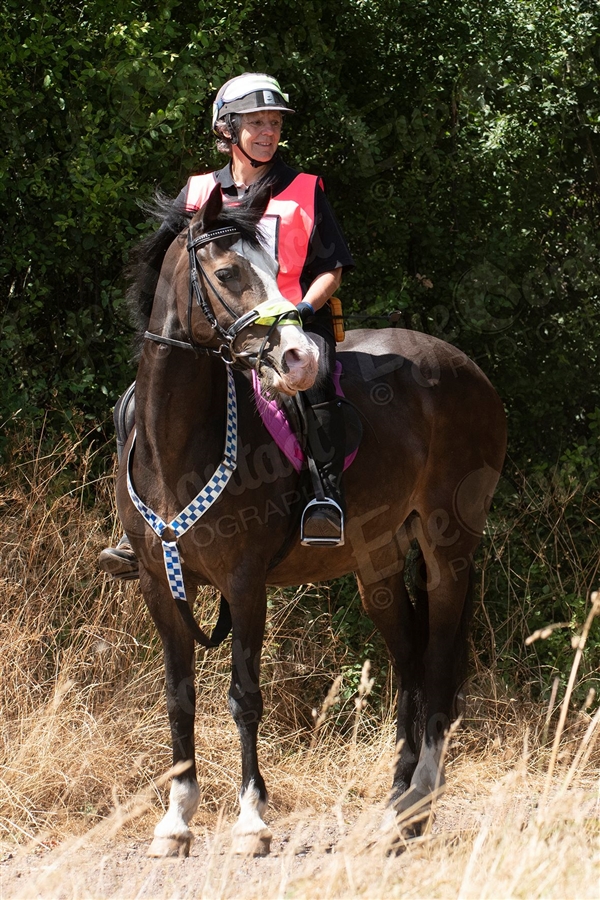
x: 211, y: 236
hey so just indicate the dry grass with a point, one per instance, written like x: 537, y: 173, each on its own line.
x: 84, y: 744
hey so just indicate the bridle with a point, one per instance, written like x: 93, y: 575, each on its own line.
x: 199, y: 282
x: 264, y: 313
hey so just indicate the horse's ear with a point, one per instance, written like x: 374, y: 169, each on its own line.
x: 211, y: 210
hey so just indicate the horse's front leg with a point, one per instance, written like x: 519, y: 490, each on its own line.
x: 250, y: 834
x: 172, y: 836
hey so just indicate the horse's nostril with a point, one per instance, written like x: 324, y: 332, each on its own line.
x: 292, y: 360
x: 295, y: 358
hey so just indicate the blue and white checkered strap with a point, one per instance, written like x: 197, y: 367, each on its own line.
x: 199, y: 505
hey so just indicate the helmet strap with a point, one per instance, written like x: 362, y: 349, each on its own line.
x: 253, y: 162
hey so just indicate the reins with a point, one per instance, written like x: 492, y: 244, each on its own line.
x: 205, y: 498
x: 226, y: 351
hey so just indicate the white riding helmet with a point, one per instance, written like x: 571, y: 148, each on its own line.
x: 249, y: 93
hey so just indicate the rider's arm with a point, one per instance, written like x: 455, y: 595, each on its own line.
x: 329, y: 257
x: 322, y: 288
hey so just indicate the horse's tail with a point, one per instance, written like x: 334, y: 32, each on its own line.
x: 220, y: 631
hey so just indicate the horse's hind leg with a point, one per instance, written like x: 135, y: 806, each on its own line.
x: 172, y: 836
x: 427, y: 641
x: 250, y: 834
x: 403, y: 627
x: 448, y: 590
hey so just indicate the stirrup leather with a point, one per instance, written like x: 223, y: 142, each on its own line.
x: 325, y: 505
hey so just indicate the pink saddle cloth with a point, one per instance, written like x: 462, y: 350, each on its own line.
x: 277, y: 424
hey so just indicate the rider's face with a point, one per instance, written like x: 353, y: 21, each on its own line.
x: 259, y: 134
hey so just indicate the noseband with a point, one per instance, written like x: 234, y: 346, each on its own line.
x: 264, y: 313
x: 198, y: 279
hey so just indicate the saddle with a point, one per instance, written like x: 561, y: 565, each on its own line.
x: 324, y: 439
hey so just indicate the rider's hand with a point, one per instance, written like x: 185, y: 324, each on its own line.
x: 306, y: 311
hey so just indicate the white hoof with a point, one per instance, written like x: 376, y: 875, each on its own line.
x: 251, y: 837
x: 172, y: 837
x: 252, y: 844
x: 169, y: 847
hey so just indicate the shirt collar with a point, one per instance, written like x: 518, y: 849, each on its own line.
x: 225, y: 178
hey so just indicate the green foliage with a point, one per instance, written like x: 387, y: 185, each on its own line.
x: 460, y: 146
x: 540, y: 562
x: 481, y: 143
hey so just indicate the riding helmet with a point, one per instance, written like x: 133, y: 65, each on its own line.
x: 249, y: 93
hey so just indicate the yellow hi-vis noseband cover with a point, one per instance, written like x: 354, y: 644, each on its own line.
x: 277, y: 312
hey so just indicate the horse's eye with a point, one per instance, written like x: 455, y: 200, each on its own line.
x: 225, y: 275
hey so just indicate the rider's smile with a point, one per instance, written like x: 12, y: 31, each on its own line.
x: 259, y: 134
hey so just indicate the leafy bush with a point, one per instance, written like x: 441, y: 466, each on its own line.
x: 460, y: 145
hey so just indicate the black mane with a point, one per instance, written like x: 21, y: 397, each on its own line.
x: 147, y: 257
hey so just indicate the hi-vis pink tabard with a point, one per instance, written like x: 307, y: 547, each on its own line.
x: 287, y: 225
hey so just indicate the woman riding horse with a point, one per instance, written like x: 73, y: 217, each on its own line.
x: 207, y: 497
x: 300, y: 231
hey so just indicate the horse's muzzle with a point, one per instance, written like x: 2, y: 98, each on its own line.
x: 299, y: 362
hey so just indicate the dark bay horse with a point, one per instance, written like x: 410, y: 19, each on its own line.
x: 431, y: 454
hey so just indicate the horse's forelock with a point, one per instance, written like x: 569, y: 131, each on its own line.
x: 240, y: 216
x: 244, y: 214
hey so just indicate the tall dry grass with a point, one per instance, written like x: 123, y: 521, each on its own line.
x: 85, y: 743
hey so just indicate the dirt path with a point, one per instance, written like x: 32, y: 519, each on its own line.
x: 492, y: 837
x: 303, y: 850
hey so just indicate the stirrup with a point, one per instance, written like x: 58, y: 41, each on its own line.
x: 327, y: 517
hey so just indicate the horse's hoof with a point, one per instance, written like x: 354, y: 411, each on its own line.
x: 405, y: 818
x: 252, y: 844
x: 412, y: 810
x: 170, y: 847
x: 389, y: 837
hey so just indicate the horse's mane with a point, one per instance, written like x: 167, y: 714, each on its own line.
x: 246, y: 214
x: 146, y: 258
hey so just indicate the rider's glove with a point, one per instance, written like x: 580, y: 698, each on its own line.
x: 305, y: 310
